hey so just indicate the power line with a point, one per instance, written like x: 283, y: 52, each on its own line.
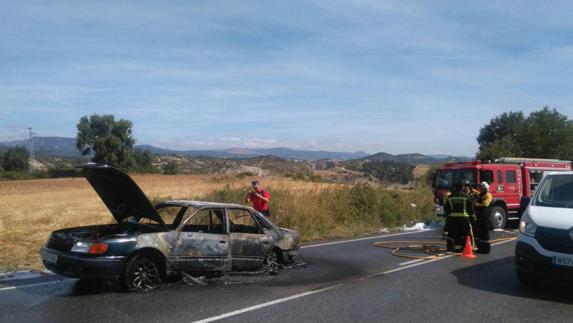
x: 31, y: 134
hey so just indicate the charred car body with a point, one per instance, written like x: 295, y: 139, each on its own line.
x: 174, y: 236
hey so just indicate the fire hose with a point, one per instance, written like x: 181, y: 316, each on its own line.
x: 431, y: 249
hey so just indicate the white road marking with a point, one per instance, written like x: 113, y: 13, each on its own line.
x: 502, y: 242
x: 32, y: 285
x: 405, y: 263
x: 362, y: 239
x: 286, y: 299
x: 256, y: 307
x: 409, y: 266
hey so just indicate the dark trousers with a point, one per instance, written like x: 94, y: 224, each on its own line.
x: 266, y: 213
x: 483, y: 230
x: 457, y: 228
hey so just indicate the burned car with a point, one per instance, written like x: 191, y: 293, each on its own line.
x: 148, y: 242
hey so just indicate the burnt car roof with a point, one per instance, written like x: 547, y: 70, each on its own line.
x: 202, y: 204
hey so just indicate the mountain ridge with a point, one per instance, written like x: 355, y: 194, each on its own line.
x: 65, y: 147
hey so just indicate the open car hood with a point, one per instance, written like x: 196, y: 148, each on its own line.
x: 119, y: 193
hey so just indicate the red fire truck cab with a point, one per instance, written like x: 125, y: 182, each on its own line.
x: 511, y: 180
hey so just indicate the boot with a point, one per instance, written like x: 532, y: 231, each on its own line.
x: 484, y: 247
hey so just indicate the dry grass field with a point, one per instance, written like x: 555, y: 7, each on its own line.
x: 31, y: 209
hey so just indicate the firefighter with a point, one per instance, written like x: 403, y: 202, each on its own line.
x: 458, y: 226
x: 471, y: 192
x: 482, y: 203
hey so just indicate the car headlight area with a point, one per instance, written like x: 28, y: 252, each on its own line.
x: 526, y: 225
x: 92, y: 248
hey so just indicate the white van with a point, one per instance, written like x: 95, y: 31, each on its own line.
x: 545, y: 244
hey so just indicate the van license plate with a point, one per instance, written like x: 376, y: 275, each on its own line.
x: 50, y: 257
x: 563, y: 261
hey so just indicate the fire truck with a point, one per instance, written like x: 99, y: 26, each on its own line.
x: 511, y: 180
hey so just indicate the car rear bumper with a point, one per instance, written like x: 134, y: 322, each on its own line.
x: 532, y: 259
x: 74, y: 266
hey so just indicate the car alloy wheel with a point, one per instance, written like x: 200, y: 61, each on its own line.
x: 143, y: 275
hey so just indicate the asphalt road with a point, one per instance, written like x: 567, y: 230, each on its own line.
x: 345, y: 281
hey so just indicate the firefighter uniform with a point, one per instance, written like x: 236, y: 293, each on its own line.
x: 459, y: 218
x: 482, y: 207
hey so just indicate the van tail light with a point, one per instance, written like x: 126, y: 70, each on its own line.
x: 98, y: 248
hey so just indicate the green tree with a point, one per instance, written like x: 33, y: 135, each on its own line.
x: 543, y: 134
x: 143, y: 160
x: 508, y: 124
x: 503, y: 147
x: 15, y: 159
x: 110, y: 141
x: 547, y: 133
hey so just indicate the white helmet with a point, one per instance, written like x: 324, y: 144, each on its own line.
x: 485, y: 185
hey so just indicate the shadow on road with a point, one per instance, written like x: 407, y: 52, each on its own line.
x: 318, y: 270
x: 92, y: 287
x: 499, y: 276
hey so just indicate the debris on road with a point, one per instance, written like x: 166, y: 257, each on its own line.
x: 23, y: 274
x: 420, y: 226
x: 191, y: 280
x: 236, y: 277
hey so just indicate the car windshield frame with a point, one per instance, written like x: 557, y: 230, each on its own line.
x: 454, y: 179
x: 549, y: 199
x: 178, y: 219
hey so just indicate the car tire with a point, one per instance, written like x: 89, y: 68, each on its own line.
x: 497, y: 217
x: 526, y: 279
x: 141, y: 274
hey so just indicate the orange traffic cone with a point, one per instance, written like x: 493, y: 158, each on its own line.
x: 468, y: 250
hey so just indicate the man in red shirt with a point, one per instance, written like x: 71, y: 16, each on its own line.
x: 259, y: 198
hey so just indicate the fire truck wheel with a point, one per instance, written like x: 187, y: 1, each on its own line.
x: 498, y: 217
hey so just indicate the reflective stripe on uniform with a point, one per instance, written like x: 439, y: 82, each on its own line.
x: 463, y: 201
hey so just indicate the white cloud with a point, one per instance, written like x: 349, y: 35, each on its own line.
x: 230, y: 139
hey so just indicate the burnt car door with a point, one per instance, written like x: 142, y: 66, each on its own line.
x: 202, y: 242
x: 249, y: 244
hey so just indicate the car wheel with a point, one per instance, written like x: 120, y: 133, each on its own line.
x: 498, y: 217
x: 527, y: 280
x: 141, y: 275
x: 271, y: 263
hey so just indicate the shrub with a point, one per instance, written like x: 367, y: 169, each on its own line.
x: 342, y: 211
x: 171, y: 168
x: 15, y: 159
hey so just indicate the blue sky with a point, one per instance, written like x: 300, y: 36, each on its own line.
x: 394, y: 76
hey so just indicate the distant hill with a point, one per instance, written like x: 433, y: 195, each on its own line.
x: 414, y: 158
x: 49, y: 146
x: 190, y: 153
x: 285, y: 153
x: 66, y: 147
